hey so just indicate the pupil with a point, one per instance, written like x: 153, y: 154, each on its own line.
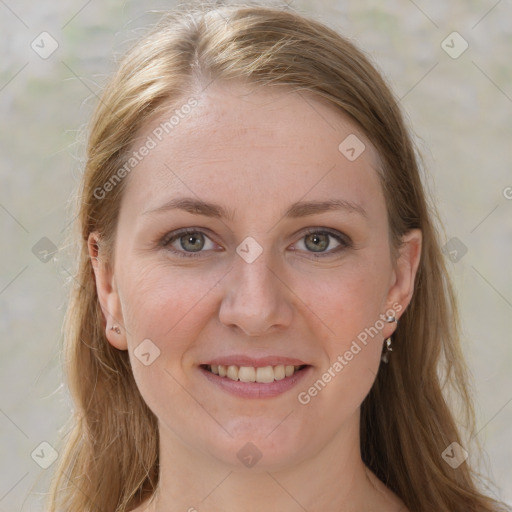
x: 194, y: 246
x: 321, y: 241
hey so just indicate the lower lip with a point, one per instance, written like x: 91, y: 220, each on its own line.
x: 256, y: 389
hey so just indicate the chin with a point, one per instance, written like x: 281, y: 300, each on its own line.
x: 261, y: 446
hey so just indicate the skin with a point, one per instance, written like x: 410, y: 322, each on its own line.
x: 256, y: 151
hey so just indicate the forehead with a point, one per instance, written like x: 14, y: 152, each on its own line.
x: 249, y: 144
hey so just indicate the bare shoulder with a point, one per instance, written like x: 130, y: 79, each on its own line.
x: 385, y: 499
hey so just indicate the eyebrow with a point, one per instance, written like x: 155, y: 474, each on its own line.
x: 296, y: 210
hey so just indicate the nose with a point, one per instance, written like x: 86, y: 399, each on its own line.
x: 256, y: 298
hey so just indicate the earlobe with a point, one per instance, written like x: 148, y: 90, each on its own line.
x: 406, y: 268
x: 108, y: 296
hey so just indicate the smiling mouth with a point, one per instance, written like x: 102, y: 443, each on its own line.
x: 263, y: 374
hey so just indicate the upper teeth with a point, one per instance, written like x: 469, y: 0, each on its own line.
x: 263, y: 374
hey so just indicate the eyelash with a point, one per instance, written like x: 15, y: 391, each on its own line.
x: 166, y: 241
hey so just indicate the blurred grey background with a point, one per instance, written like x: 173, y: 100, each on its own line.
x: 55, y: 58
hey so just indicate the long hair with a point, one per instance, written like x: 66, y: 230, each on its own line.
x: 110, y: 459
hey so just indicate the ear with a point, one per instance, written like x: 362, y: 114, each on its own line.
x: 404, y: 273
x: 107, y: 293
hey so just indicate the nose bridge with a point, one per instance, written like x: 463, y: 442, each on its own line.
x: 255, y: 299
x: 253, y: 278
x: 256, y: 275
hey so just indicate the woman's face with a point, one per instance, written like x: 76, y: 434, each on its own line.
x: 267, y: 277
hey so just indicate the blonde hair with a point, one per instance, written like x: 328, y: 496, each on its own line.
x: 110, y: 461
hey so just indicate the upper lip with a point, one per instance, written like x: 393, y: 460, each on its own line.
x: 256, y: 362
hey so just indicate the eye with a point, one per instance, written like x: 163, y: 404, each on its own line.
x: 190, y: 242
x: 317, y: 241
x: 186, y: 242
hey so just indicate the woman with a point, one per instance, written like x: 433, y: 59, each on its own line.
x: 264, y: 320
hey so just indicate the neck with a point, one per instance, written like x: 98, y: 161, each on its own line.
x: 334, y: 478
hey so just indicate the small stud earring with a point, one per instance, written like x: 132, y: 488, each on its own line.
x: 116, y: 329
x: 388, y: 348
x: 387, y: 342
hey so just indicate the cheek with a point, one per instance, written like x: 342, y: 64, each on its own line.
x: 170, y: 306
x: 353, y: 353
x: 157, y: 299
x: 351, y: 304
x: 352, y: 300
x: 167, y: 306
